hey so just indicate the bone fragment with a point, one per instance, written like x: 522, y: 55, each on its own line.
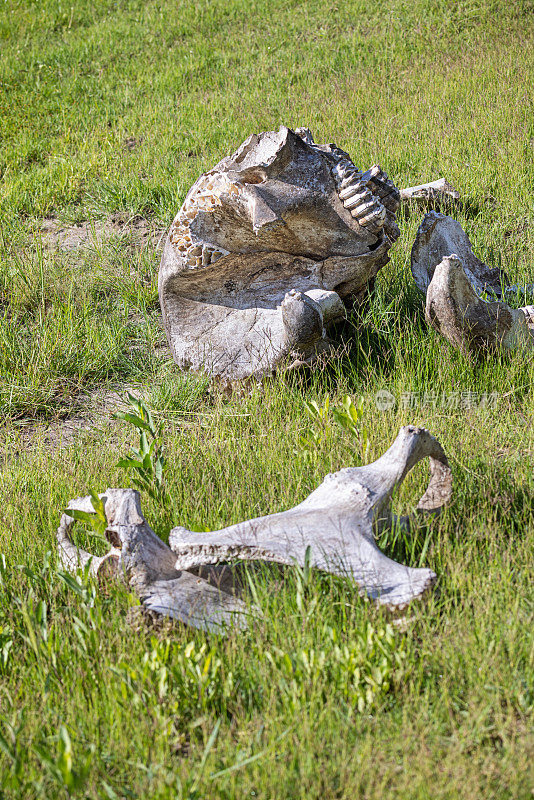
x: 439, y: 236
x: 148, y: 565
x: 436, y: 193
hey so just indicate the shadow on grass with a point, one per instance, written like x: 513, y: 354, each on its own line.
x: 367, y: 340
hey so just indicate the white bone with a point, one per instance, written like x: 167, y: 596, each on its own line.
x: 336, y: 523
x: 467, y: 321
x: 279, y: 221
x: 434, y: 192
x: 149, y: 565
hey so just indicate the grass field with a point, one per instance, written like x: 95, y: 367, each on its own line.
x: 110, y: 110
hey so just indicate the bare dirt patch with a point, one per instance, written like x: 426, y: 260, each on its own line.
x: 134, y: 232
x: 95, y: 409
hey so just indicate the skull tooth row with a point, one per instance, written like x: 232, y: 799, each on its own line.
x: 367, y: 195
x: 204, y: 199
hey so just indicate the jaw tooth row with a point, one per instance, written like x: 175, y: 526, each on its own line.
x: 357, y: 195
x: 381, y: 185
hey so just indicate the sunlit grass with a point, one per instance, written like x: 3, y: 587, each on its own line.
x: 93, y: 705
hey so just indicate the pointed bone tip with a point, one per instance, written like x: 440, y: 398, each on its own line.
x: 123, y: 506
x: 453, y: 261
x: 415, y: 589
x: 412, y: 430
x: 450, y: 276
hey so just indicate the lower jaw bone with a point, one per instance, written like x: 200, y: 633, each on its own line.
x: 335, y: 525
x: 468, y: 322
x: 333, y: 528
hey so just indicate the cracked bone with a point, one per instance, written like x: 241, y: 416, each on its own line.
x: 439, y: 236
x: 435, y: 193
x: 148, y: 564
x: 454, y: 309
x: 336, y: 523
x: 271, y: 220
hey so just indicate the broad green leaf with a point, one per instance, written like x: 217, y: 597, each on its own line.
x: 133, y: 419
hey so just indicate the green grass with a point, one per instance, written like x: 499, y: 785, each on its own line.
x: 93, y: 707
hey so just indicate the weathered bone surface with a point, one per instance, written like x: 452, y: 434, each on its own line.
x: 528, y: 311
x: 439, y: 236
x: 467, y: 321
x: 148, y: 565
x: 436, y: 193
x: 265, y: 250
x: 336, y: 522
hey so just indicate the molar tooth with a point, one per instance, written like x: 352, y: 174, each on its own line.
x: 362, y: 210
x: 351, y: 190
x: 345, y: 171
x: 350, y: 178
x: 358, y: 200
x: 374, y: 218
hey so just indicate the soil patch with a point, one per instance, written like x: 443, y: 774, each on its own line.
x: 135, y: 232
x: 95, y: 408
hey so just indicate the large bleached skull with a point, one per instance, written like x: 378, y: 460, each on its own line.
x: 267, y: 249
